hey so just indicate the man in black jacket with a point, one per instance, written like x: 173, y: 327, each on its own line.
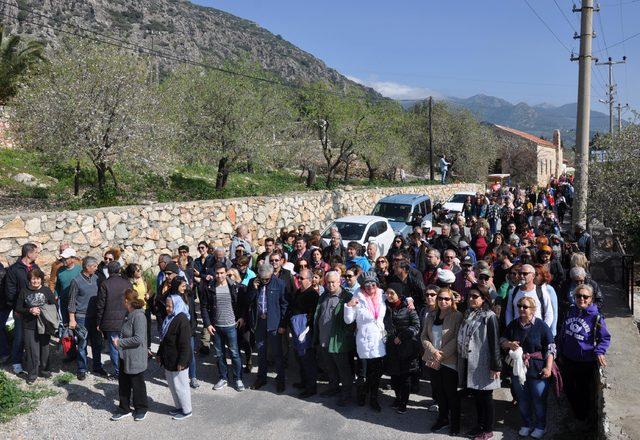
x: 334, y: 249
x: 222, y: 314
x: 110, y: 308
x: 4, y: 316
x: 16, y: 280
x: 276, y: 259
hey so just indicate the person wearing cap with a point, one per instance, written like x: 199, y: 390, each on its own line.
x: 66, y: 275
x: 465, y: 250
x: 445, y: 278
x: 56, y: 266
x: 465, y: 278
x: 367, y: 309
x: 111, y: 310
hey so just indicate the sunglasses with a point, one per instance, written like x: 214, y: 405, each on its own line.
x: 274, y: 260
x: 524, y: 274
x: 579, y: 296
x: 431, y: 295
x: 380, y: 262
x: 444, y: 298
x: 483, y: 277
x: 474, y: 296
x: 348, y: 276
x: 523, y: 306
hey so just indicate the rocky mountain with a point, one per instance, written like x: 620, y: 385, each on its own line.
x: 176, y: 27
x: 540, y: 119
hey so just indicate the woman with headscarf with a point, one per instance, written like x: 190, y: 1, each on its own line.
x: 367, y: 309
x: 175, y: 354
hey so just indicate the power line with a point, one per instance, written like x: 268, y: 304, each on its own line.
x: 547, y: 26
x: 565, y: 16
x: 620, y: 42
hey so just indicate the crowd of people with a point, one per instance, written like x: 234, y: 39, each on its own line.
x: 500, y: 296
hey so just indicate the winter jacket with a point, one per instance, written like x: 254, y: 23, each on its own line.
x: 14, y: 281
x: 110, y: 309
x: 370, y: 331
x: 450, y: 327
x: 584, y: 334
x: 342, y: 334
x: 132, y: 345
x: 175, y: 347
x: 479, y: 336
x: 404, y: 324
x: 208, y: 301
x: 329, y: 252
x: 533, y: 338
x: 276, y: 303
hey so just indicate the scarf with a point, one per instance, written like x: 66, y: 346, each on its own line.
x: 468, y: 328
x: 178, y: 307
x: 373, y: 304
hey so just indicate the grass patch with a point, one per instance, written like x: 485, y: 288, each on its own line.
x: 63, y: 379
x: 15, y: 401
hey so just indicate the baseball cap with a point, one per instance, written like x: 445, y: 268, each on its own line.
x: 68, y: 253
x: 485, y: 272
x: 463, y: 244
x: 172, y: 267
x: 467, y: 261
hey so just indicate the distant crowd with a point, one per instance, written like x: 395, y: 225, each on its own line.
x: 501, y: 296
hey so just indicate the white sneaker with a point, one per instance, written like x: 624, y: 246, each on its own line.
x: 524, y: 431
x: 538, y: 433
x: 220, y: 384
x: 434, y: 408
x: 17, y: 368
x: 239, y: 385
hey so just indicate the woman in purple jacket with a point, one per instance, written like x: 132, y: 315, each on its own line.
x: 584, y: 340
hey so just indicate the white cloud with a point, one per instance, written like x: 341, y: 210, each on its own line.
x: 397, y: 91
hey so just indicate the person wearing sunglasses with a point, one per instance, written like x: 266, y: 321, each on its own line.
x: 479, y: 362
x: 398, y: 245
x: 527, y: 288
x: 351, y: 279
x: 584, y: 341
x: 530, y: 336
x: 439, y: 340
x: 367, y: 309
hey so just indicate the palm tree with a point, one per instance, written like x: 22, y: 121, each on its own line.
x: 16, y: 59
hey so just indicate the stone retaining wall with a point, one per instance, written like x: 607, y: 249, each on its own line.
x: 143, y: 232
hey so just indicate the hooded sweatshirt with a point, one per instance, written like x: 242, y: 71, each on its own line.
x: 584, y: 335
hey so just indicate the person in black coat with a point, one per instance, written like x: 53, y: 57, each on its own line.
x: 110, y: 308
x: 175, y: 354
x: 403, y: 327
x: 29, y: 304
x: 14, y: 281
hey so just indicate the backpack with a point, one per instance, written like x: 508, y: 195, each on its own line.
x: 516, y: 289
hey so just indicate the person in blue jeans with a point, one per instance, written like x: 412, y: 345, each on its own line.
x: 222, y: 314
x: 83, y: 293
x: 268, y: 303
x: 534, y: 337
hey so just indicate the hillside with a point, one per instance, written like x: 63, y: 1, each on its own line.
x: 540, y: 120
x: 176, y: 27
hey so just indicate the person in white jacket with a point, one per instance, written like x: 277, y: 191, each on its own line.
x: 367, y: 309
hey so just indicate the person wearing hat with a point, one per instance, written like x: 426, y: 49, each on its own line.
x: 70, y: 270
x: 464, y: 279
x: 110, y: 309
x: 465, y: 250
x: 367, y: 309
x: 445, y: 278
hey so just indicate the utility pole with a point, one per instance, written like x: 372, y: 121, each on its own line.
x: 619, y: 107
x: 431, y: 176
x: 584, y: 104
x: 612, y: 88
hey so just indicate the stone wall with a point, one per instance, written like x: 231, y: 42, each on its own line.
x: 143, y: 232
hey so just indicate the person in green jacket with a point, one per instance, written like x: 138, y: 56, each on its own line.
x: 334, y: 339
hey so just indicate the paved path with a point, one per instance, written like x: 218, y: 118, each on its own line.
x: 81, y: 410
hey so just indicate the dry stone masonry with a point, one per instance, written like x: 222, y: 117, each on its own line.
x: 143, y: 232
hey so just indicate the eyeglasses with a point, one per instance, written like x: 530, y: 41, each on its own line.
x: 474, y: 296
x: 431, y: 295
x: 370, y: 284
x: 380, y: 262
x: 348, y: 276
x: 523, y: 306
x: 449, y: 257
x: 483, y: 278
x: 579, y: 296
x: 444, y: 298
x: 524, y: 274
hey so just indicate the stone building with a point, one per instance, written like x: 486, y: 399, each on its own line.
x: 519, y: 151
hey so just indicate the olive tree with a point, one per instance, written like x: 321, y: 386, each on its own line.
x: 95, y: 103
x: 225, y: 119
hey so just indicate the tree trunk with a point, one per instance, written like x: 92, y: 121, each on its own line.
x: 101, y: 168
x: 372, y: 171
x: 223, y: 173
x: 76, y: 179
x: 345, y: 178
x: 329, y: 179
x: 311, y: 177
x: 113, y: 177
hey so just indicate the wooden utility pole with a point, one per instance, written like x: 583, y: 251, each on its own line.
x: 431, y: 176
x: 584, y: 105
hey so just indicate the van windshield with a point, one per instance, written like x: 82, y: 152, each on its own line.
x: 394, y: 212
x: 459, y: 198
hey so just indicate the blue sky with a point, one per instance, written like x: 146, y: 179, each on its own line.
x: 411, y: 49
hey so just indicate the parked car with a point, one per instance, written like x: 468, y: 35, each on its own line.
x: 455, y: 203
x: 404, y: 211
x: 362, y: 229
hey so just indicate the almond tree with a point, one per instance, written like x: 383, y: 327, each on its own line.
x: 94, y: 103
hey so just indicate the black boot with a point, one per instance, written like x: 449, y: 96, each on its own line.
x: 361, y: 391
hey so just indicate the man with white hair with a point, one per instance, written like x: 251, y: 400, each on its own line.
x: 527, y: 287
x: 243, y: 238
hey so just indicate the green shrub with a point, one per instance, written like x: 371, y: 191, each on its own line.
x: 63, y: 379
x: 14, y: 400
